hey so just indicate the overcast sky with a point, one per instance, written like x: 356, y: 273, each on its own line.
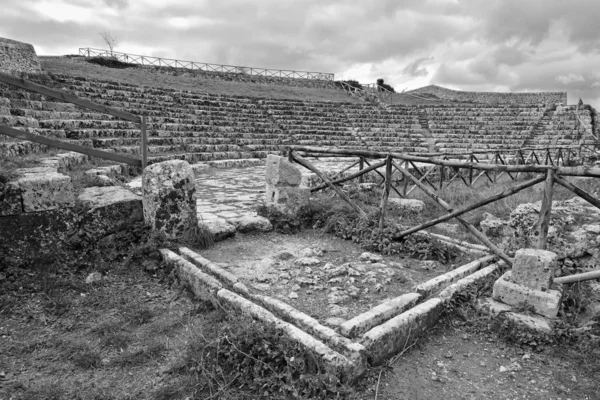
x: 491, y: 45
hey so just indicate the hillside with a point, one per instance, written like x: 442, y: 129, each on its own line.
x: 142, y: 76
x: 145, y: 77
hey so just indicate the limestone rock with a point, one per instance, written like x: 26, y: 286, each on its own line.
x: 280, y: 172
x: 546, y: 303
x: 534, y: 268
x: 251, y: 223
x: 336, y: 310
x: 337, y: 297
x: 46, y: 191
x: 334, y: 321
x: 93, y: 277
x: 411, y: 205
x: 370, y: 257
x: 493, y: 227
x: 219, y: 228
x: 293, y: 295
x: 311, y: 252
x: 95, y: 197
x: 288, y: 200
x: 109, y: 210
x: 10, y: 199
x: 308, y: 261
x: 169, y: 196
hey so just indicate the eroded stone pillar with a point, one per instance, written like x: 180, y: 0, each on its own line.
x: 529, y: 282
x: 169, y: 197
x: 284, y: 192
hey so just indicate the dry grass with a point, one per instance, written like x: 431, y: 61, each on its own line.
x: 145, y: 77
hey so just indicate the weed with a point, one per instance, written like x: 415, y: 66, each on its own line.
x: 138, y: 315
x: 153, y: 351
x: 86, y: 358
x: 254, y: 361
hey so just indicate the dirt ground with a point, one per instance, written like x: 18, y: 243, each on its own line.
x: 120, y: 337
x: 273, y: 264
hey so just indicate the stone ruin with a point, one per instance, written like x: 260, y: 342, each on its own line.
x: 18, y: 57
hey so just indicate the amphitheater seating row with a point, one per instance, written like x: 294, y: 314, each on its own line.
x: 199, y: 127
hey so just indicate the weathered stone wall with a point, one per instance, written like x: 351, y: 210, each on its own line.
x: 493, y: 97
x: 18, y: 57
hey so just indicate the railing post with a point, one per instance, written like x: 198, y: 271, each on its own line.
x: 144, y: 143
x: 545, y: 211
x: 361, y: 166
x: 386, y: 192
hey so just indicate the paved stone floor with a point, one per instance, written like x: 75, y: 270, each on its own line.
x: 233, y: 192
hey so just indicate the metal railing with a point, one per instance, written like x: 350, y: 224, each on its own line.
x: 200, y: 66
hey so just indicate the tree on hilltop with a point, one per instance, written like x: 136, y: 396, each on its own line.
x: 110, y: 39
x: 382, y: 84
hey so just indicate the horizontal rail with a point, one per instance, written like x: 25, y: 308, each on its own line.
x: 169, y: 62
x: 569, y: 171
x: 15, y: 133
x: 46, y: 91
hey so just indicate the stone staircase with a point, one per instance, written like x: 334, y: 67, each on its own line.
x: 203, y: 127
x: 429, y: 140
x: 462, y: 128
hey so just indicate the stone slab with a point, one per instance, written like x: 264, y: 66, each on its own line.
x: 362, y: 323
x: 534, y: 268
x: 208, y: 266
x: 202, y: 285
x: 528, y: 322
x: 391, y: 337
x: 544, y: 303
x: 109, y: 210
x: 353, y: 351
x: 46, y: 191
x: 281, y: 172
x: 338, y: 364
x: 441, y: 281
x: 464, y: 283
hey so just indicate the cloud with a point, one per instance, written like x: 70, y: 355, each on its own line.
x: 570, y: 78
x: 502, y: 45
x: 415, y: 68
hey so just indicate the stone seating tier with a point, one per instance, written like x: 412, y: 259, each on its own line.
x: 230, y: 126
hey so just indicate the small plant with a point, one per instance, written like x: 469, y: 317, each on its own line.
x: 258, y: 361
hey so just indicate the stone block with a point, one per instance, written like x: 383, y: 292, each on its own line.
x: 281, y: 172
x: 544, y: 303
x: 378, y: 315
x: 287, y: 200
x: 10, y: 199
x: 110, y: 209
x: 219, y: 228
x: 249, y: 223
x: 46, y: 191
x: 389, y: 338
x: 534, y: 268
x: 444, y: 280
x: 169, y: 197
